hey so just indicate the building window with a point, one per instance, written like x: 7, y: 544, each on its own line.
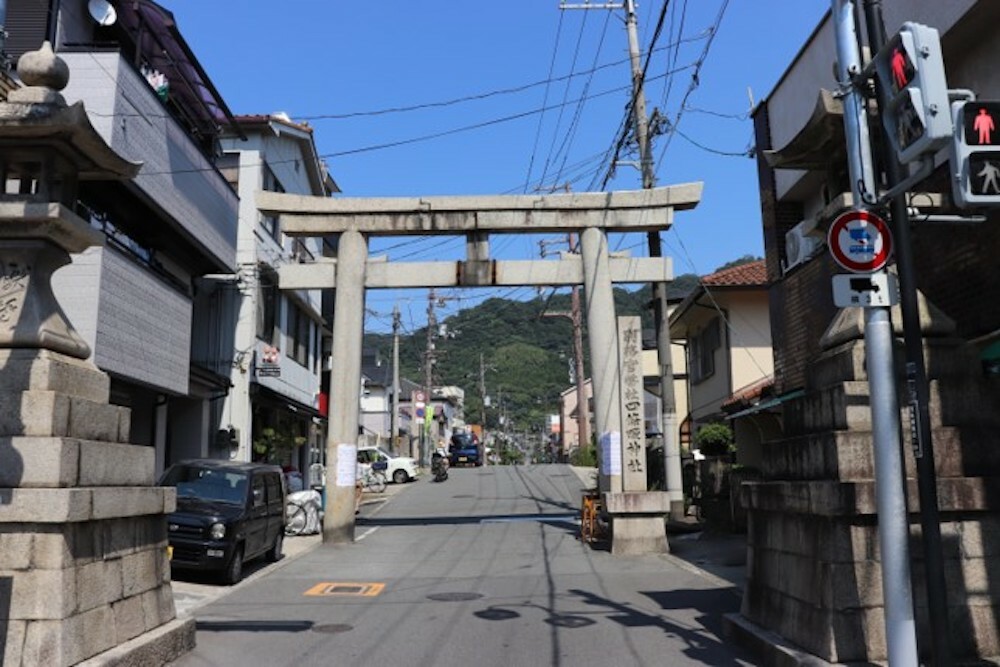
x: 270, y: 222
x: 702, y: 351
x: 299, y: 330
x: 267, y: 308
x: 229, y: 166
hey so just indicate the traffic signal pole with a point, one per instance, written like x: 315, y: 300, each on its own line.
x: 900, y: 627
x: 916, y: 378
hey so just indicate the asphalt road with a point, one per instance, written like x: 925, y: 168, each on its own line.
x: 484, y: 569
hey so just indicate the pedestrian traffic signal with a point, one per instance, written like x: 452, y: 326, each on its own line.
x: 975, y: 158
x: 910, y: 69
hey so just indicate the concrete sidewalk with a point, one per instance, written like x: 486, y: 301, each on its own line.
x: 721, y: 556
x: 194, y: 590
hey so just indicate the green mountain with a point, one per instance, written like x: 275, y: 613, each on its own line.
x: 526, y: 352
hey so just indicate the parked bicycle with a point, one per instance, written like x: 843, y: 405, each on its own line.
x: 373, y: 478
x: 303, y: 513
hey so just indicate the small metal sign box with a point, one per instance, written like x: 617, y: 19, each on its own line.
x: 268, y: 370
x: 872, y: 290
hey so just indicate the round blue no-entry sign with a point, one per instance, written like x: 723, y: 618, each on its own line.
x: 860, y: 241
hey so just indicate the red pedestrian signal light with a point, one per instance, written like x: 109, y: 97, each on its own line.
x: 911, y: 68
x: 901, y: 65
x: 975, y: 155
x: 981, y: 123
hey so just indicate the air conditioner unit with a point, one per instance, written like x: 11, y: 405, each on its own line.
x: 802, y: 243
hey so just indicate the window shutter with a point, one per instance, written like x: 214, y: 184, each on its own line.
x: 27, y: 26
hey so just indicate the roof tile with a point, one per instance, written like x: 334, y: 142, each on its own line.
x: 752, y: 273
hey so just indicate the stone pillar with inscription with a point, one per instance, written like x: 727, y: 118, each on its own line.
x: 637, y: 515
x: 83, y: 567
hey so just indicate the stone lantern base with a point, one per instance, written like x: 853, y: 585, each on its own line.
x: 83, y: 562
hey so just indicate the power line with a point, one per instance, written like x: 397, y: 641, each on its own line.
x: 545, y: 101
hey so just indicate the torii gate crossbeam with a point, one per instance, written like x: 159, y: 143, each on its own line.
x: 593, y: 215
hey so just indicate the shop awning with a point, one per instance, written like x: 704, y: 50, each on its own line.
x: 767, y: 404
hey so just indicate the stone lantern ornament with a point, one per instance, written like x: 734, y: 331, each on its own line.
x: 83, y: 565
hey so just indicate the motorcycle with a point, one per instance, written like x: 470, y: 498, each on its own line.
x: 439, y: 467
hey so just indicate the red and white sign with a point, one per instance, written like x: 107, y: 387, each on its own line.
x: 418, y: 396
x: 860, y: 241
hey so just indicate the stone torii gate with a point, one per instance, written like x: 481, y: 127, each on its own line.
x: 636, y: 513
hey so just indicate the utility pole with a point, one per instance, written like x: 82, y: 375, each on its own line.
x: 893, y: 526
x: 429, y: 361
x: 668, y: 402
x: 576, y: 318
x: 482, y: 392
x: 582, y: 402
x: 394, y: 415
x: 482, y: 404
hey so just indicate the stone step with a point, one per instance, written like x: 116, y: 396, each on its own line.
x: 44, y: 370
x: 38, y: 412
x: 52, y: 462
x: 84, y: 503
x: 827, y: 498
x: 849, y: 455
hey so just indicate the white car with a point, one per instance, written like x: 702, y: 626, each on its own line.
x: 400, y: 469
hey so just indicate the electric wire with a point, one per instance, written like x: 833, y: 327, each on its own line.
x: 572, y: 69
x: 545, y: 102
x: 575, y: 123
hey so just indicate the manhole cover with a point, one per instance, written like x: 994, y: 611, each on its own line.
x: 496, y: 614
x: 569, y: 621
x: 464, y: 495
x: 454, y: 597
x: 346, y: 588
x: 332, y: 628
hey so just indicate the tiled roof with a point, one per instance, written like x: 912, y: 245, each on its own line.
x: 750, y: 394
x: 744, y: 275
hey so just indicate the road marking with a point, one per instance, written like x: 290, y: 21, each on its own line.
x: 352, y: 589
x: 366, y: 533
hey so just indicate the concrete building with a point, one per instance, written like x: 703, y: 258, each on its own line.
x: 376, y: 400
x: 725, y: 326
x: 137, y: 300
x: 569, y: 417
x: 815, y: 572
x: 274, y: 409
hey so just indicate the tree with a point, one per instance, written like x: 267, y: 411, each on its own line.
x: 715, y: 439
x: 745, y: 259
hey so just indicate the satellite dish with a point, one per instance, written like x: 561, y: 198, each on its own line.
x: 102, y: 12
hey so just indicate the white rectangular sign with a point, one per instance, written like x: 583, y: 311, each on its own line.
x: 611, y: 453
x: 347, y: 465
x: 865, y: 290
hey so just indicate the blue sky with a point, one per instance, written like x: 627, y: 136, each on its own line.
x: 487, y: 122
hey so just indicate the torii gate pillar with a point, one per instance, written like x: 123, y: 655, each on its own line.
x: 345, y: 382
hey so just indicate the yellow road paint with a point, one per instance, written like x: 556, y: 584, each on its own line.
x: 352, y: 589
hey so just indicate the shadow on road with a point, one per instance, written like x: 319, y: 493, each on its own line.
x: 712, y: 603
x: 564, y: 521
x: 253, y: 626
x: 700, y: 645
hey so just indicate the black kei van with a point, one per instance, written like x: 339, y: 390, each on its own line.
x: 228, y: 513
